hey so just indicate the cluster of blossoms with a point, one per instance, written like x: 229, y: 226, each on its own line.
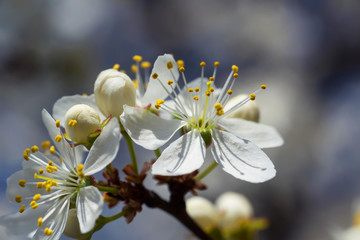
x: 56, y: 185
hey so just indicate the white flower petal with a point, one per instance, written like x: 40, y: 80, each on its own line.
x: 63, y: 104
x: 79, y: 154
x: 241, y: 158
x: 183, y: 156
x: 263, y: 136
x: 154, y: 89
x: 89, y: 204
x: 146, y: 129
x: 104, y: 149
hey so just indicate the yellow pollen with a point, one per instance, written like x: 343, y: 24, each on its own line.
x: 49, y: 169
x: 116, y: 66
x: 41, y: 171
x: 218, y: 106
x: 182, y: 69
x: 34, y: 149
x: 134, y: 68
x: 22, y: 209
x: 170, y: 82
x: 216, y: 64
x: 146, y: 64
x: 180, y: 63
x: 202, y: 64
x: 160, y: 101
x: 212, y: 89
x: 197, y: 89
x: 169, y: 65
x: 263, y: 86
x: 235, y: 68
x: 32, y: 203
x: 52, y: 150
x: 80, y: 167
x: 84, y: 95
x: 220, y: 112
x: 18, y: 198
x: 137, y: 58
x: 45, y: 145
x: 190, y: 90
x: 72, y: 123
x: 26, y: 156
x: 51, y: 163
x: 34, y: 206
x: 48, y: 231
x: 235, y: 75
x: 27, y: 150
x: 212, y: 79
x: 196, y: 98
x: 157, y: 106
x: 57, y: 123
x: 36, y: 197
x: 207, y: 93
x: 39, y: 185
x: 252, y: 97
x: 22, y: 183
x: 229, y: 91
x: 40, y: 221
x: 155, y: 76
x: 58, y: 138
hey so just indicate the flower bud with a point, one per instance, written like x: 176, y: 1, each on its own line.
x: 249, y: 111
x: 233, y: 207
x: 72, y: 227
x: 88, y: 121
x: 112, y: 90
x: 203, y: 212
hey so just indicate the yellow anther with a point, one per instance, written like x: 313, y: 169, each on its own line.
x: 170, y: 82
x: 212, y: 89
x: 160, y: 101
x: 84, y: 94
x: 36, y: 197
x: 80, y: 167
x: 207, y: 93
x: 263, y: 86
x: 48, y: 188
x: 72, y: 123
x: 212, y: 79
x: 116, y: 66
x: 252, y: 97
x: 51, y: 163
x: 27, y: 150
x: 182, y: 69
x: 169, y: 65
x: 137, y: 58
x: 220, y: 112
x: 32, y: 203
x: 209, y: 83
x: 190, y: 90
x: 48, y: 231
x: 235, y: 68
x: 58, y: 138
x: 81, y: 174
x: 180, y: 63
x: 157, y: 106
x: 57, y: 123
x: 134, y: 68
x: 218, y: 106
x: 41, y: 171
x: 40, y: 221
x: 26, y: 156
x: 202, y: 64
x: 39, y: 185
x: 229, y: 91
x: 22, y: 183
x: 235, y: 75
x: 155, y: 76
x: 196, y: 98
x: 146, y: 64
x: 216, y: 64
x: 45, y: 145
x: 34, y: 149
x: 34, y: 206
x: 135, y: 83
x: 52, y: 150
x: 18, y: 198
x: 22, y: 209
x: 49, y: 169
x: 197, y: 89
x: 54, y: 183
x: 54, y: 168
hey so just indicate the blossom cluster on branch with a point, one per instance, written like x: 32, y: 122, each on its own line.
x: 57, y: 193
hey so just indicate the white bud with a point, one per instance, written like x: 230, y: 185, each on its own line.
x: 88, y: 121
x: 202, y: 211
x: 112, y: 90
x: 249, y: 111
x: 233, y: 207
x: 72, y: 227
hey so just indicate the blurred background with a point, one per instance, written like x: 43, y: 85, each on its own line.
x: 307, y: 52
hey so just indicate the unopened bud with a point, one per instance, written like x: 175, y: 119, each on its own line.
x: 112, y: 90
x: 88, y: 121
x: 203, y: 212
x: 249, y: 111
x: 233, y: 207
x: 72, y: 227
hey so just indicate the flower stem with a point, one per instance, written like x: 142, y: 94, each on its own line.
x: 206, y: 171
x: 108, y: 189
x: 131, y: 149
x: 157, y: 152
